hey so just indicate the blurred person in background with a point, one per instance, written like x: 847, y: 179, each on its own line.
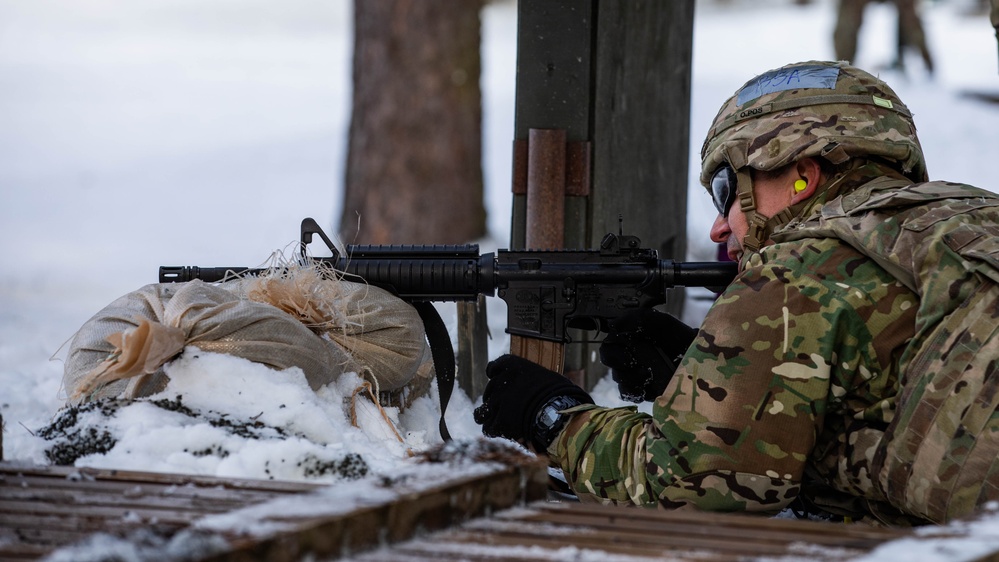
x: 995, y: 18
x: 910, y: 33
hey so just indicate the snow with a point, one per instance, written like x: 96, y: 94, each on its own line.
x: 164, y: 132
x: 254, y: 422
x: 407, y: 482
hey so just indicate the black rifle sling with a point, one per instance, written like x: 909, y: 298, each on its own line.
x: 443, y: 355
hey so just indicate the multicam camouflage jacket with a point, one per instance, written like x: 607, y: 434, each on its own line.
x: 852, y: 363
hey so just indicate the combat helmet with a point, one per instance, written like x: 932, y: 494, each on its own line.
x: 830, y: 110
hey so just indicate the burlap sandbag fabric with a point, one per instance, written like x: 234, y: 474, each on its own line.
x: 290, y: 317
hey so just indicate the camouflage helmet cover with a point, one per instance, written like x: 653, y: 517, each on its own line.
x: 815, y: 108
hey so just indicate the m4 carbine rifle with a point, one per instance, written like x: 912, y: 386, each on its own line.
x: 546, y: 291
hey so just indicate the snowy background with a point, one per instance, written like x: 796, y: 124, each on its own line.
x: 139, y: 134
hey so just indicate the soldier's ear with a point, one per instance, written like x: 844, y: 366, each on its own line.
x: 809, y: 178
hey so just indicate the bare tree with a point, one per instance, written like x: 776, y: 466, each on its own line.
x: 414, y: 163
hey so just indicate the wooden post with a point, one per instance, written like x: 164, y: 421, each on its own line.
x: 552, y: 93
x: 615, y: 76
x: 641, y: 132
x: 545, y: 224
x: 545, y: 189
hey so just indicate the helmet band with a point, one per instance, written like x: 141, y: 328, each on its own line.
x: 759, y: 111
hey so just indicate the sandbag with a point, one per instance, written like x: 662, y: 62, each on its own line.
x: 290, y: 317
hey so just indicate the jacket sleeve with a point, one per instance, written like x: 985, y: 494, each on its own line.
x: 734, y: 429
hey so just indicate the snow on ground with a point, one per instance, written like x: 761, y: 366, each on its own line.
x: 139, y: 134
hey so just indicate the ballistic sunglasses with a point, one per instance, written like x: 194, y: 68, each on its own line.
x: 723, y: 189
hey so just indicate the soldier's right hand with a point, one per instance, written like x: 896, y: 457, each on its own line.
x: 643, y: 350
x: 517, y: 390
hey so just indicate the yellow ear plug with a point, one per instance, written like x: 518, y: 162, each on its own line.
x: 800, y: 185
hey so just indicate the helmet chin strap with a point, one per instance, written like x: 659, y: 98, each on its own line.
x: 760, y: 227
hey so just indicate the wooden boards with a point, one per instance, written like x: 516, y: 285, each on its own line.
x: 45, y: 507
x: 556, y: 531
x: 439, y: 511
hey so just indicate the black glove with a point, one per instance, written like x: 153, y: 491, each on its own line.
x: 516, y: 393
x: 643, y: 350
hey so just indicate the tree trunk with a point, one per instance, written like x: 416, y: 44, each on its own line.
x: 414, y: 163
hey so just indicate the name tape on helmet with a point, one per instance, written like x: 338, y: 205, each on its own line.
x: 809, y: 76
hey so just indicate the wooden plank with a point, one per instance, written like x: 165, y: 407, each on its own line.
x: 102, y: 493
x: 47, y: 507
x: 106, y: 512
x: 164, y: 478
x: 40, y: 536
x: 21, y: 551
x: 62, y: 522
x: 622, y: 541
x: 461, y: 518
x: 131, y: 496
x: 551, y: 528
x: 42, y: 508
x: 716, y: 525
x: 368, y: 526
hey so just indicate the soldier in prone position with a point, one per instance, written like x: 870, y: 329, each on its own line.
x: 852, y: 367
